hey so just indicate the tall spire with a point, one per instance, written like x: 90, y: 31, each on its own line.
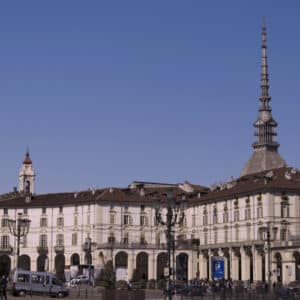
x: 265, y: 156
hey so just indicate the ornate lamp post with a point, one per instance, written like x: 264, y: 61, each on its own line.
x: 88, y: 247
x: 268, y: 234
x: 19, y: 228
x: 173, y: 216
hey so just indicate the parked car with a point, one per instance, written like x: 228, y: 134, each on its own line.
x: 27, y: 282
x: 79, y: 279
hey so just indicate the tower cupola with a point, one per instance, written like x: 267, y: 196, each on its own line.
x: 26, y: 176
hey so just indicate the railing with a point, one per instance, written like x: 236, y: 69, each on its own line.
x: 42, y: 249
x: 5, y: 249
x: 59, y: 248
x: 180, y: 246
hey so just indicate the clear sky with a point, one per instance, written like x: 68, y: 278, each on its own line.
x: 107, y: 92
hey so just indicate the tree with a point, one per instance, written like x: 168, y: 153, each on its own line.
x: 107, y: 276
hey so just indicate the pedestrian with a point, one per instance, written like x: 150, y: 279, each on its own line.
x: 4, y: 283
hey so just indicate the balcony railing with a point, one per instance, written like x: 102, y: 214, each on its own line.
x: 59, y: 248
x: 42, y: 249
x: 179, y: 246
x: 5, y: 249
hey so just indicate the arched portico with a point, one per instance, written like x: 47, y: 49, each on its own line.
x: 59, y: 262
x: 5, y: 265
x: 24, y: 262
x: 121, y: 260
x: 41, y: 263
x: 162, y: 263
x: 75, y: 259
x: 182, y: 267
x: 142, y: 265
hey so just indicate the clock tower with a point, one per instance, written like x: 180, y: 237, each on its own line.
x: 26, y: 176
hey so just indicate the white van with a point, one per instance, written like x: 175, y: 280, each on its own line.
x: 27, y: 282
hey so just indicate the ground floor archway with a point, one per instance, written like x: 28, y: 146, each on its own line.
x: 182, y: 267
x: 278, y: 271
x: 121, y: 260
x: 297, y: 265
x: 5, y: 265
x: 41, y: 263
x: 142, y: 265
x: 59, y: 263
x: 24, y: 262
x: 75, y: 259
x: 162, y: 263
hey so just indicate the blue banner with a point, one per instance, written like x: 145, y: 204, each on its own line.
x: 217, y: 267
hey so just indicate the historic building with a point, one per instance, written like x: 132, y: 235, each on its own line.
x: 226, y: 222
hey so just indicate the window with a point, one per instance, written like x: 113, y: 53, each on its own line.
x: 60, y: 209
x: 111, y: 207
x: 283, y: 234
x: 25, y: 211
x: 248, y: 213
x: 285, y: 211
x: 236, y: 215
x: 226, y: 235
x: 88, y: 219
x: 142, y: 207
x: 4, y: 222
x: 205, y: 218
x: 157, y: 239
x: 60, y: 222
x: 215, y: 216
x: 22, y: 277
x: 143, y: 220
x: 126, y: 220
x: 74, y: 239
x: 126, y: 238
x: 259, y: 212
x: 43, y: 240
x: 142, y: 239
x: 43, y: 222
x: 215, y: 236
x: 5, y: 211
x: 75, y: 220
x: 44, y: 210
x: 237, y: 233
x: 111, y: 219
x: 205, y: 237
x: 111, y: 238
x: 5, y: 241
x: 193, y: 221
x: 225, y: 215
x: 76, y: 209
x: 37, y: 278
x: 248, y: 232
x: 59, y: 240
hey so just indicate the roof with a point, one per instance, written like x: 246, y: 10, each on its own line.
x: 278, y: 180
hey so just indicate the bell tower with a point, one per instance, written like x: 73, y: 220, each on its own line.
x: 26, y: 176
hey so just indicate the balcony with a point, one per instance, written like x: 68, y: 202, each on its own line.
x: 179, y: 246
x: 59, y: 248
x: 42, y: 249
x: 5, y: 249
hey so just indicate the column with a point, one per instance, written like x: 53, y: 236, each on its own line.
x: 245, y: 264
x: 257, y: 263
x: 203, y: 264
x: 151, y: 266
x: 234, y: 264
x: 288, y: 268
x: 190, y: 267
x: 131, y: 261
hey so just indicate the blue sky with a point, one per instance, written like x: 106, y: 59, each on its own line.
x: 106, y: 92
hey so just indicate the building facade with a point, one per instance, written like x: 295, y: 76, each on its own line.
x: 226, y: 221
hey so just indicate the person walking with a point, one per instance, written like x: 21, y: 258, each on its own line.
x: 3, y: 286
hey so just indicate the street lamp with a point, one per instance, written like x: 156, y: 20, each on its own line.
x: 173, y: 216
x: 88, y: 248
x: 19, y: 228
x: 268, y: 234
